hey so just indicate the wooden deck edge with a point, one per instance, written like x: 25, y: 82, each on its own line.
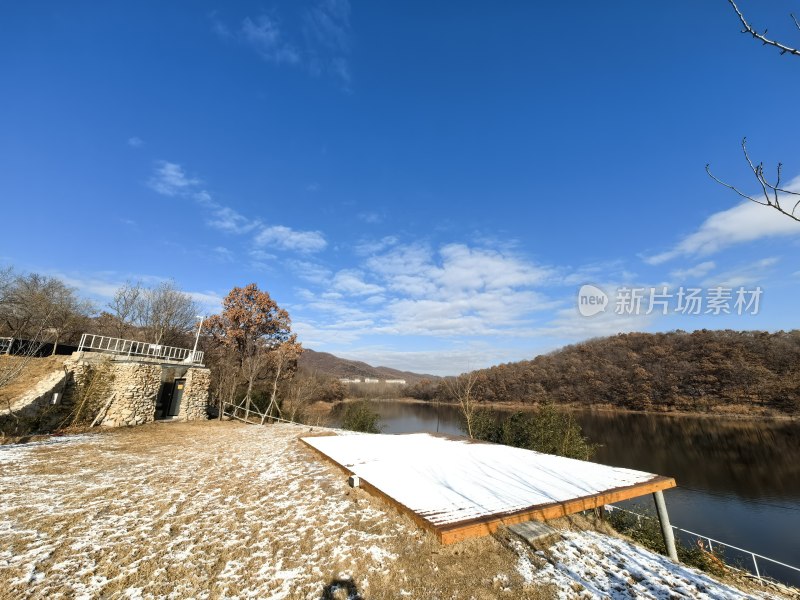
x: 463, y: 530
x: 456, y: 532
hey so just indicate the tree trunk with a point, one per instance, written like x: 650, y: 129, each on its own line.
x: 247, y: 399
x: 272, y: 401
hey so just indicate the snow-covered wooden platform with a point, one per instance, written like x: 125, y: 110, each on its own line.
x: 460, y: 489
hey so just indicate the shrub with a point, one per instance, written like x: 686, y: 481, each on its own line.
x: 359, y: 416
x: 548, y: 430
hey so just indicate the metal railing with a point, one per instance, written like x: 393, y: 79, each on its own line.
x: 711, y: 541
x: 103, y: 343
x: 5, y: 344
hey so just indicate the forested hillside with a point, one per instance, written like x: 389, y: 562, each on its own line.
x: 727, y: 371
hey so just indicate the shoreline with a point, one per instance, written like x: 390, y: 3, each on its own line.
x: 515, y: 406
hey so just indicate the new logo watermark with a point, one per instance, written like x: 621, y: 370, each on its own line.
x: 591, y: 300
x: 664, y: 300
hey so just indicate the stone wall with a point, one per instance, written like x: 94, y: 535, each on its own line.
x: 136, y: 385
x: 135, y: 388
x: 196, y: 394
x: 90, y: 379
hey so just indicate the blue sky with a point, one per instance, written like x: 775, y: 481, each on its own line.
x: 422, y: 185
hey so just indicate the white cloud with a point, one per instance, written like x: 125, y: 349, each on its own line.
x: 264, y: 35
x: 171, y: 180
x: 366, y: 247
x: 309, y: 271
x: 352, y: 282
x: 743, y: 275
x: 223, y: 254
x: 568, y: 323
x: 321, y: 46
x: 286, y: 238
x: 327, y: 33
x: 135, y: 142
x: 370, y: 217
x: 699, y: 270
x: 458, y: 290
x: 228, y: 220
x: 746, y: 222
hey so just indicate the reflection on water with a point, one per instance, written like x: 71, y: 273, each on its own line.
x: 738, y: 481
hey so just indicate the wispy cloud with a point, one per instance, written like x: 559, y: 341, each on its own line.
x: 310, y: 271
x: 700, y: 270
x: 286, y: 238
x: 171, y: 180
x: 747, y: 274
x: 321, y: 45
x: 223, y: 254
x: 227, y: 219
x: 328, y: 38
x: 264, y: 35
x: 352, y: 282
x: 368, y: 247
x: 746, y: 222
x: 370, y: 217
x: 455, y: 290
x: 135, y: 142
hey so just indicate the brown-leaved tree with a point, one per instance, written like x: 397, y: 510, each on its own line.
x: 255, y: 333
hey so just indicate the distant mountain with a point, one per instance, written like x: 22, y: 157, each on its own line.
x: 328, y: 364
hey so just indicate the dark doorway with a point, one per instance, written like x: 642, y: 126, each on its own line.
x: 175, y: 401
x: 164, y: 399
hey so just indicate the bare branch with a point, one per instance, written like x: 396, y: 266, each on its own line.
x: 762, y: 37
x: 770, y: 191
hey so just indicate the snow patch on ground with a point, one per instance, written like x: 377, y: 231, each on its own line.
x: 216, y: 510
x: 590, y: 565
x: 238, y: 512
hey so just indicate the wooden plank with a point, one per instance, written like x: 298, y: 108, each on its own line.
x: 463, y: 530
x: 456, y: 532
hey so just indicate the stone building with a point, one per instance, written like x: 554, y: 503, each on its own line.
x: 140, y: 389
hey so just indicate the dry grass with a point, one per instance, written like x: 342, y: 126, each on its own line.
x: 225, y: 510
x: 212, y: 510
x: 31, y: 374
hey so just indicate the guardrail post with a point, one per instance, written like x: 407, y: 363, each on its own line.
x: 755, y: 564
x: 666, y: 528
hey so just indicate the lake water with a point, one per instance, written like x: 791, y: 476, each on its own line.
x: 738, y: 481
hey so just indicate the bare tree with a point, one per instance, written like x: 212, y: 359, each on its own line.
x: 762, y: 37
x: 68, y: 314
x: 125, y: 307
x: 461, y: 389
x: 281, y: 361
x: 299, y: 394
x: 39, y: 307
x: 771, y: 192
x: 27, y: 304
x: 166, y: 313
